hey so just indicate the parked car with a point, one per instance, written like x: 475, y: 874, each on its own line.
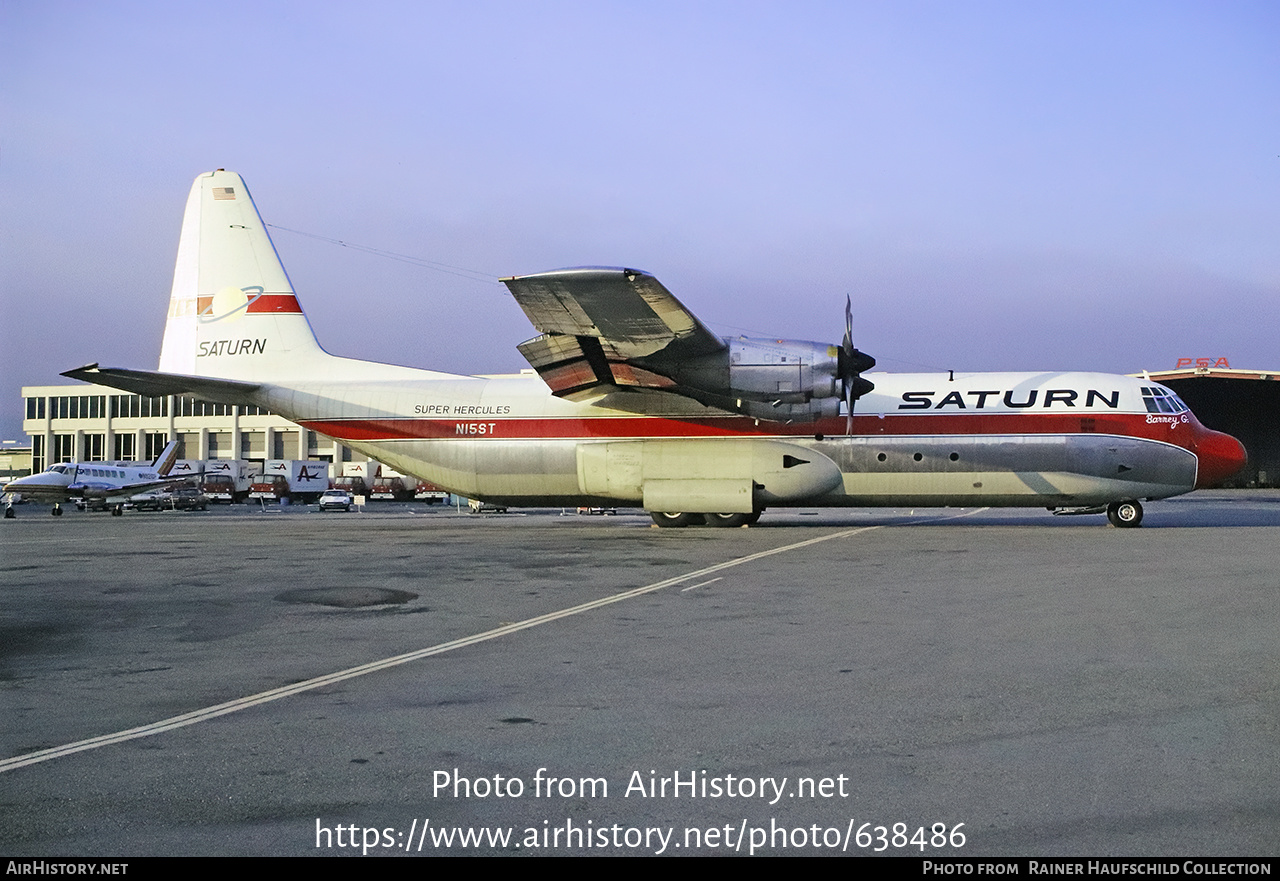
x: 155, y: 500
x: 178, y: 498
x: 335, y: 500
x: 188, y: 498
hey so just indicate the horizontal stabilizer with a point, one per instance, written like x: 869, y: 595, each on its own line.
x: 151, y: 383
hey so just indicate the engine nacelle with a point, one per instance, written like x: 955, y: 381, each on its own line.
x: 778, y: 380
x: 88, y: 492
x: 773, y: 372
x: 787, y: 371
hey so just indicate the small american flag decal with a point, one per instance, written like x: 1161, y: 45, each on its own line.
x: 224, y: 192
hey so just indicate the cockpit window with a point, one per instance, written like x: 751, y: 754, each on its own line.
x: 1160, y: 400
x: 60, y: 469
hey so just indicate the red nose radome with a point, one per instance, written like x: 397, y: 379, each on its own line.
x: 1221, y: 456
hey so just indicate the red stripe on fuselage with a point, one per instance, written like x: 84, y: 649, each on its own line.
x: 890, y: 426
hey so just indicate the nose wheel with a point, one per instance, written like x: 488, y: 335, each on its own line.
x: 1125, y: 515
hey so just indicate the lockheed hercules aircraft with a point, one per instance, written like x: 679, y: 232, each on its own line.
x: 110, y: 483
x: 632, y: 401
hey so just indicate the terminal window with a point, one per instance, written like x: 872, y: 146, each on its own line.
x: 64, y: 448
x: 126, y: 447
x: 138, y: 406
x: 184, y: 406
x: 155, y: 445
x: 78, y: 406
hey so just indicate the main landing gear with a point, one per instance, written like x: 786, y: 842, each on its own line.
x: 1126, y: 515
x: 679, y: 519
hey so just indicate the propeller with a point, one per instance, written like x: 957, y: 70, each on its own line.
x: 851, y: 365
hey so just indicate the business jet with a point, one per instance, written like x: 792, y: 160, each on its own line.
x: 109, y: 483
x: 632, y: 401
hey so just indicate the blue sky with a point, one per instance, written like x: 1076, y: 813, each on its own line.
x: 998, y: 185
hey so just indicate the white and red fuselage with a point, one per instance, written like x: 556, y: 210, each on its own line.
x: 1055, y: 439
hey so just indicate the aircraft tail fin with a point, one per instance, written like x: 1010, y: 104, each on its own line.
x: 233, y: 312
x: 164, y: 462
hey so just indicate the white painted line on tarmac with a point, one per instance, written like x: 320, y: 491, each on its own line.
x: 263, y: 697
x: 701, y: 583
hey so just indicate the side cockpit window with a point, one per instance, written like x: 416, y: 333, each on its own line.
x: 1160, y: 400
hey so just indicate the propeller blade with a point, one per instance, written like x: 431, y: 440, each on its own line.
x: 848, y: 324
x: 852, y: 364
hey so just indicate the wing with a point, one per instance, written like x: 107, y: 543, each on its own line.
x: 111, y: 493
x: 607, y: 326
x: 133, y: 489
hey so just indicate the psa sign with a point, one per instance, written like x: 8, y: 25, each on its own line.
x: 1201, y: 362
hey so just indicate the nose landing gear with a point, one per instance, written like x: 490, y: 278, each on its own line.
x: 1125, y: 515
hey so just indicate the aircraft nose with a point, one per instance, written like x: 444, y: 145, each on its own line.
x: 1221, y: 456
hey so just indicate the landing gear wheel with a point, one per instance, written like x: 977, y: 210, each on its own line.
x: 57, y: 511
x: 1126, y: 515
x: 728, y: 521
x: 674, y: 519
x: 117, y: 511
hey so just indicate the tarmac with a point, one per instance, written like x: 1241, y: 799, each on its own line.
x: 417, y: 681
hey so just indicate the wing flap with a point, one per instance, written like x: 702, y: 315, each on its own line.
x: 572, y: 364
